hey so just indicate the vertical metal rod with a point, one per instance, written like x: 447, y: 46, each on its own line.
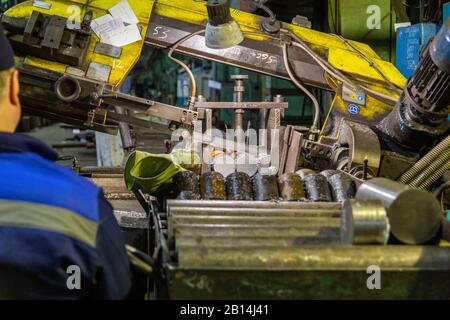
x: 238, y: 96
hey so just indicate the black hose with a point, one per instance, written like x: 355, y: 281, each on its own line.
x: 260, y: 5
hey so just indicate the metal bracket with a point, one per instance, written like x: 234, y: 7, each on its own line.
x: 241, y: 105
x: 363, y: 143
x: 48, y: 37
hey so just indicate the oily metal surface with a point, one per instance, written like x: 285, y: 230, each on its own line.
x: 129, y: 214
x: 255, y: 204
x: 246, y: 231
x: 342, y: 187
x: 254, y: 212
x: 414, y: 215
x: 213, y: 241
x: 222, y: 258
x: 239, y: 187
x: 242, y: 284
x: 364, y: 222
x: 317, y: 188
x: 265, y: 187
x: 329, y: 173
x: 114, y: 187
x: 291, y: 187
x: 318, y: 258
x: 248, y: 226
x: 186, y: 184
x: 298, y: 222
x: 213, y: 186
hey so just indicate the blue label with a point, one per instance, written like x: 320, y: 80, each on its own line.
x: 353, y: 109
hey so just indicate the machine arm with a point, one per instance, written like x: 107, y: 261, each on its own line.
x: 259, y: 56
x: 164, y: 23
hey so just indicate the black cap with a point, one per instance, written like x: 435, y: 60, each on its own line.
x: 218, y: 12
x: 6, y: 52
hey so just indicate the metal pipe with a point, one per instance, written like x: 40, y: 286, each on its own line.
x: 182, y: 64
x: 315, y: 124
x: 260, y: 4
x: 436, y: 152
x: 238, y: 96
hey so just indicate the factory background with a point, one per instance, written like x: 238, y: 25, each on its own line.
x: 363, y: 161
x: 156, y: 77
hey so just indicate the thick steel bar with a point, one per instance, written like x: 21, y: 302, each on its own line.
x: 254, y: 204
x: 236, y: 225
x: 187, y: 241
x: 237, y: 231
x: 253, y: 221
x: 318, y: 258
x: 255, y: 212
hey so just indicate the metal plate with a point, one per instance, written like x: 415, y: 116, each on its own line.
x: 353, y: 95
x: 42, y: 4
x: 99, y: 72
x: 108, y: 50
x: 75, y: 71
x: 314, y: 273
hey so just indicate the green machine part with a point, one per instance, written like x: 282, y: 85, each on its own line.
x: 375, y: 24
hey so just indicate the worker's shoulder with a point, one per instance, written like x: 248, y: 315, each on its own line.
x: 28, y: 177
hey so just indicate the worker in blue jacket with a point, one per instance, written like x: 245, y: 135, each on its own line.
x: 58, y: 236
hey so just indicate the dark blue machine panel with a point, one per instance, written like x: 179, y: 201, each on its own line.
x: 410, y: 41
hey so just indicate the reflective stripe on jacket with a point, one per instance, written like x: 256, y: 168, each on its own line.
x: 52, y: 219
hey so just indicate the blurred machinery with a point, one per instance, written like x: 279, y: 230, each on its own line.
x: 304, y: 237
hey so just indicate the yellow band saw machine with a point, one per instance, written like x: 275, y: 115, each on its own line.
x: 385, y: 135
